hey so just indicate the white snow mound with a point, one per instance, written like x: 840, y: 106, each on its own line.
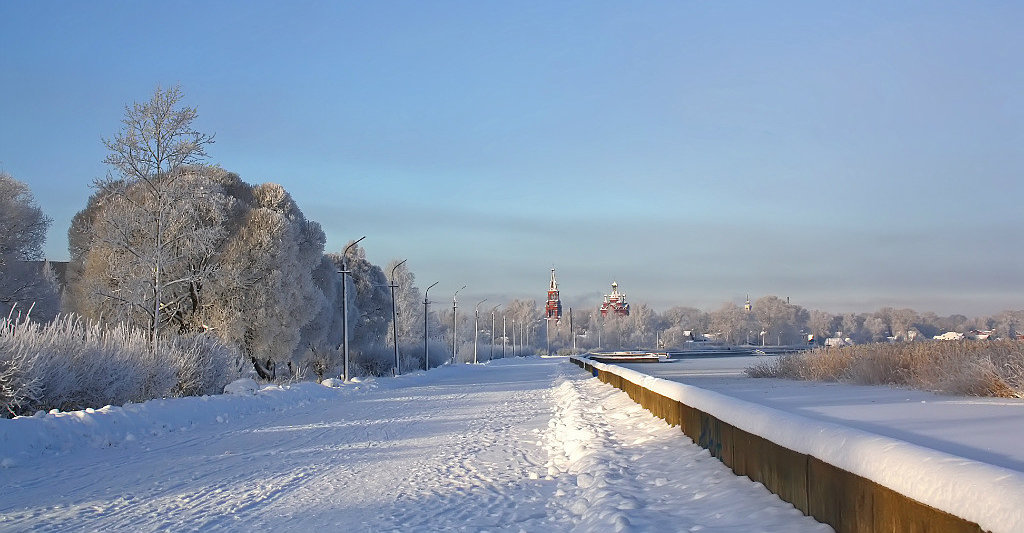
x: 242, y: 387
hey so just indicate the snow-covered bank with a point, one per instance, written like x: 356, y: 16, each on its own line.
x: 982, y: 493
x: 516, y: 445
x: 59, y: 432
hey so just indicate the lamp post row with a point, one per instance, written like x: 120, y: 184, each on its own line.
x: 426, y: 306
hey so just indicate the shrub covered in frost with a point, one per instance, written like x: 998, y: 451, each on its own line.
x: 975, y: 368
x: 68, y: 364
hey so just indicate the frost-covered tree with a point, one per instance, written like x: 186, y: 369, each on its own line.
x: 266, y: 285
x: 876, y: 329
x: 24, y: 281
x: 525, y: 315
x: 369, y: 311
x: 408, y: 304
x: 852, y: 327
x: 781, y: 321
x: 150, y: 192
x: 902, y: 321
x: 250, y: 268
x: 319, y: 339
x: 641, y: 327
x: 823, y: 324
x: 1010, y: 323
x: 733, y: 324
x: 114, y: 269
x: 679, y: 321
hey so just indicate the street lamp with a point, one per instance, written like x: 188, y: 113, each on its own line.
x: 394, y: 317
x: 426, y: 352
x: 547, y: 335
x: 455, y: 326
x: 476, y: 329
x: 572, y: 331
x: 491, y: 355
x: 503, y: 336
x: 344, y: 299
x: 514, y: 337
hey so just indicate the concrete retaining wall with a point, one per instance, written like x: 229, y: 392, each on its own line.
x: 845, y: 501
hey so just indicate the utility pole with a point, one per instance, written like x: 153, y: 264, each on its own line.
x: 503, y: 337
x: 344, y: 300
x: 394, y: 318
x: 514, y: 337
x: 524, y: 330
x: 476, y: 329
x: 426, y: 304
x: 455, y: 328
x: 491, y: 355
x: 572, y: 331
x: 547, y: 335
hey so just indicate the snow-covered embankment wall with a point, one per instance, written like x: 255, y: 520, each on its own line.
x: 850, y: 479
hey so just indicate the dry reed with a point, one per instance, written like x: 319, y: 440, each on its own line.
x: 973, y: 368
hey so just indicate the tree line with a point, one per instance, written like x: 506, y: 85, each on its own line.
x: 770, y: 320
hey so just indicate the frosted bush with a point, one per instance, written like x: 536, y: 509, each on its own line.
x: 67, y: 364
x: 372, y: 361
x: 974, y: 368
x: 204, y: 365
x: 411, y: 355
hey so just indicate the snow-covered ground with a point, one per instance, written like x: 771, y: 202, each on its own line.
x: 958, y: 454
x: 990, y: 430
x: 523, y: 444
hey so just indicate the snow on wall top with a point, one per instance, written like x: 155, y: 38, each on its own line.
x: 988, y: 495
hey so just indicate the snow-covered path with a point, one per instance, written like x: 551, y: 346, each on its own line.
x: 516, y: 445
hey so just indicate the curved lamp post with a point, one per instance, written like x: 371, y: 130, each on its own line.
x: 344, y: 299
x: 491, y: 355
x: 476, y: 329
x: 426, y: 303
x: 394, y: 317
x: 455, y: 324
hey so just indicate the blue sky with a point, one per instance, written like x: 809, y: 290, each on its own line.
x: 848, y: 156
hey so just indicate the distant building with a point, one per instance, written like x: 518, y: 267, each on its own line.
x: 981, y: 334
x: 949, y: 336
x: 553, y: 307
x: 838, y: 341
x: 615, y: 303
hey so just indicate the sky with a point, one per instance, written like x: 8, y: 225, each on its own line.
x: 847, y: 156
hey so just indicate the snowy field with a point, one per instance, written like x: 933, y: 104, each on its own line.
x: 989, y: 430
x: 515, y: 445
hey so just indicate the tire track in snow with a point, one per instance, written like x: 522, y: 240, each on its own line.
x: 482, y: 479
x: 619, y: 468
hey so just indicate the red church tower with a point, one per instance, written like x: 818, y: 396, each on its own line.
x: 553, y: 308
x: 615, y: 302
